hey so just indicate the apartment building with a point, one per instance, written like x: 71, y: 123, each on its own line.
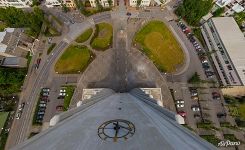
x: 14, y: 47
x: 146, y: 3
x: 69, y: 3
x: 52, y: 3
x: 226, y: 44
x: 104, y: 3
x: 15, y: 3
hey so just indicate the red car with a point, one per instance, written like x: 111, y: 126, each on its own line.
x: 182, y: 113
x: 216, y: 95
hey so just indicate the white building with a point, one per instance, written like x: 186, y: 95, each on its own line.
x: 52, y: 3
x: 104, y: 3
x: 15, y: 3
x: 146, y: 3
x: 116, y: 121
x: 223, y: 3
x: 223, y: 36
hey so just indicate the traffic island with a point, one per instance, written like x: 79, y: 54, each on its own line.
x: 74, y: 60
x: 160, y: 45
x: 102, y: 39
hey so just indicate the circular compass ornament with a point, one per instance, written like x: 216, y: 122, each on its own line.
x: 115, y: 130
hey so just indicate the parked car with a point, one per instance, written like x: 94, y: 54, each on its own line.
x: 59, y: 108
x: 182, y: 113
x: 41, y: 113
x: 42, y: 105
x: 45, y: 94
x: 45, y: 89
x: 38, y: 63
x: 220, y: 115
x: 18, y: 115
x: 195, y: 108
x: 193, y: 91
x: 180, y: 101
x: 62, y: 90
x: 216, y: 95
x: 194, y: 97
x: 209, y: 74
x: 205, y: 65
x: 197, y: 115
x: 43, y: 102
x: 41, y: 108
x: 180, y: 105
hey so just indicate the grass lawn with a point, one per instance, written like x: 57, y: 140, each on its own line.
x: 241, y: 110
x: 159, y: 44
x: 84, y: 36
x: 69, y: 93
x: 75, y: 59
x: 3, y: 118
x: 102, y: 38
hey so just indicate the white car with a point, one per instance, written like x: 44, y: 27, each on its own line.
x: 20, y: 107
x: 180, y: 102
x: 62, y: 91
x: 62, y: 94
x: 180, y: 105
x: 42, y: 105
x: 18, y: 115
x: 195, y: 109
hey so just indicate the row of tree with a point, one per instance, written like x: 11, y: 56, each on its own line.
x: 17, y: 18
x: 193, y: 10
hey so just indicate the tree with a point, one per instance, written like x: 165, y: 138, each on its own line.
x: 138, y: 3
x: 193, y: 10
x: 99, y: 6
x: 110, y: 2
x: 17, y: 18
x: 219, y: 12
x: 195, y: 78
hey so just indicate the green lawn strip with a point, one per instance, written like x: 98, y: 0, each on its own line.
x: 211, y: 139
x: 3, y: 135
x: 102, y: 38
x: 51, y: 47
x: 241, y: 111
x: 206, y: 125
x: 227, y: 125
x: 3, y: 118
x: 198, y: 34
x: 28, y: 57
x: 159, y: 44
x: 74, y: 60
x: 84, y: 36
x: 69, y: 93
x: 230, y: 137
x: 34, y: 119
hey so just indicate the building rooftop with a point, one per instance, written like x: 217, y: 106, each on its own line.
x: 234, y: 42
x: 142, y: 126
x: 14, y: 62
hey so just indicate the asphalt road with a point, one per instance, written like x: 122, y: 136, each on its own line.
x: 20, y: 128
